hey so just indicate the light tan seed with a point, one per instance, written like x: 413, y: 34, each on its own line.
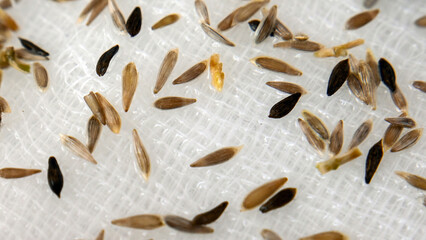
x: 408, y: 140
x: 192, y: 73
x: 94, y: 105
x: 340, y: 50
x: 312, y: 138
x: 399, y: 99
x: 24, y: 54
x: 130, y: 82
x: 112, y: 118
x: 89, y: 8
x: 421, y: 85
x: 4, y: 106
x: 167, y: 103
x: 217, y: 157
x: 300, y: 45
x: 7, y: 20
x: 276, y: 65
x: 13, y: 61
x: 261, y: 193
x: 94, y: 129
x: 316, y: 124
x: 287, y: 87
x: 301, y: 37
x: 165, y: 21
x: 41, y: 76
x: 402, y: 121
x: 142, y: 156
x: 78, y: 148
x: 267, y: 25
x: 413, y: 180
x: 247, y: 11
x: 336, y: 139
x: 17, y: 172
x: 324, y: 52
x: 332, y: 235
x: 336, y: 161
x: 100, y: 235
x: 355, y: 86
x: 361, y: 133
x: 228, y: 22
x: 421, y: 22
x: 202, y: 11
x: 218, y: 76
x: 361, y: 19
x: 117, y: 16
x: 269, y: 235
x: 185, y: 225
x: 215, y: 35
x: 372, y: 62
x: 102, y: 4
x: 166, y: 69
x: 144, y: 221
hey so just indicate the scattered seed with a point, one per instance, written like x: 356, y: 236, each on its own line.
x: 100, y: 6
x: 167, y: 103
x: 41, y: 76
x: 361, y: 133
x: 361, y: 19
x: 104, y: 60
x: 100, y: 235
x: 184, y: 225
x: 421, y: 22
x: 166, y: 69
x: 338, y: 76
x: 301, y: 37
x: 310, y: 135
x: 54, y: 177
x: 217, y: 157
x: 368, y: 83
x: 94, y: 105
x: 316, y: 124
x: 269, y: 235
x: 13, y: 61
x: 332, y: 235
x: 130, y: 82
x: 300, y: 45
x: 287, y: 87
x: 336, y: 139
x: 408, y: 140
x: 261, y: 193
x: 413, y: 180
x: 374, y: 157
x: 284, y: 107
x: 116, y: 15
x: 267, y: 25
x: 211, y: 215
x: 276, y: 65
x: 369, y: 3
x: 89, y: 8
x: 216, y: 72
x: 144, y: 221
x: 192, y: 73
x: 165, y: 21
x: 77, y: 148
x: 280, y: 29
x: 247, y: 11
x: 399, y: 99
x: 402, y: 121
x: 336, y: 161
x: 17, y: 172
x: 341, y: 50
x: 387, y: 74
x: 279, y: 200
x: 421, y: 85
x: 134, y: 22
x: 228, y: 22
x: 8, y: 21
x: 202, y: 11
x: 34, y: 49
x: 253, y: 24
x: 215, y: 35
x: 24, y: 54
x: 372, y: 62
x: 141, y: 155
x: 112, y: 118
x: 94, y: 129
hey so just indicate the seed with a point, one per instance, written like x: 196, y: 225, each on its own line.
x: 216, y: 72
x: 374, y: 158
x: 4, y: 106
x: 387, y: 74
x: 94, y: 105
x: 261, y: 193
x: 248, y: 10
x: 338, y: 76
x: 279, y: 200
x: 104, y: 60
x: 134, y: 22
x: 421, y: 85
x: 336, y: 161
x: 392, y: 134
x: 413, y: 180
x: 166, y: 69
x: 402, y: 121
x: 368, y: 83
x: 399, y: 99
x: 324, y: 52
x: 100, y: 6
x: 355, y: 86
x: 14, y: 62
x: 8, y: 21
x: 300, y: 45
x: 336, y: 139
x: 165, y: 21
x: 310, y: 135
x: 269, y: 235
x: 54, y: 177
x: 17, y: 172
x: 332, y: 235
x: 284, y: 107
x: 276, y: 65
x: 141, y: 155
x: 287, y: 87
x: 24, y: 54
x: 144, y: 221
x: 421, y: 22
x: 267, y: 25
x: 100, y: 235
x: 215, y: 35
x: 211, y: 215
x: 372, y: 62
x: 316, y: 124
x: 361, y: 133
x: 202, y: 11
x: 34, y: 49
x: 341, y: 50
x: 361, y: 19
x: 369, y: 3
x: 217, y: 157
x: 112, y: 118
x: 77, y: 148
x: 253, y: 24
x: 89, y: 8
x: 184, y: 225
x: 280, y: 29
x: 408, y: 140
x: 130, y: 82
x: 167, y: 103
x: 94, y: 129
x: 192, y: 73
x: 116, y: 15
x: 228, y: 22
x: 41, y: 76
x: 301, y: 37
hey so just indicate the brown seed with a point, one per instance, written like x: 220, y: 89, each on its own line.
x: 216, y: 72
x: 284, y: 107
x: 300, y: 45
x: 105, y: 59
x: 142, y: 156
x: 332, y: 235
x: 116, y: 15
x: 421, y: 22
x: 228, y: 22
x: 269, y: 235
x: 387, y: 74
x: 279, y: 200
x: 375, y: 155
x: 78, y: 148
x: 7, y: 20
x: 247, y: 11
x: 361, y: 19
x: 261, y: 193
x: 4, y: 106
x: 144, y: 221
x: 316, y: 124
x: 55, y: 177
x: 276, y: 65
x: 402, y: 121
x: 97, y: 9
x: 24, y: 54
x: 192, y: 73
x: 13, y: 61
x: 280, y: 29
x: 6, y: 4
x: 413, y: 180
x: 41, y: 76
x: 94, y: 129
x: 408, y: 140
x: 184, y: 225
x: 17, y: 172
x: 130, y: 82
x: 167, y: 103
x: 217, y: 157
x: 399, y: 99
x: 336, y: 161
x: 112, y: 118
x: 202, y: 11
x: 369, y: 3
x: 165, y: 21
x: 166, y: 69
x: 392, y: 134
x: 100, y: 235
x: 368, y: 84
x: 211, y: 215
x: 336, y: 139
x: 421, y: 85
x: 94, y: 105
x: 267, y: 25
x: 361, y: 133
x: 310, y: 135
x: 215, y: 35
x: 89, y: 7
x: 134, y: 22
x: 338, y: 76
x: 372, y: 62
x: 34, y: 49
x: 287, y: 87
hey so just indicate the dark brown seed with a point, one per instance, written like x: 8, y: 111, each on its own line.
x: 399, y: 99
x: 421, y: 85
x: 413, y: 180
x: 144, y: 221
x: 313, y: 139
x: 267, y: 25
x: 167, y: 103
x: 284, y: 107
x: 361, y: 19
x: 166, y: 69
x: 332, y: 235
x: 338, y: 76
x: 253, y: 24
x: 316, y: 124
x: 94, y: 105
x: 165, y: 21
x: 402, y: 121
x: 387, y: 74
x: 215, y: 35
x: 94, y: 129
x: 41, y: 76
x: 192, y: 73
x: 17, y: 172
x: 33, y: 48
x: 134, y: 22
x: 373, y: 160
x: 202, y: 11
x: 261, y: 193
x: 269, y: 235
x: 217, y: 157
x: 104, y: 60
x: 278, y: 200
x: 276, y: 65
x: 408, y: 140
x: 184, y: 225
x: 228, y: 22
x: 361, y: 133
x: 336, y: 139
x: 287, y: 87
x: 369, y: 3
x: 54, y: 177
x: 211, y: 215
x: 280, y: 29
x: 421, y: 22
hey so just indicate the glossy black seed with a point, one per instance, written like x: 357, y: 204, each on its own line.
x: 33, y: 48
x: 210, y: 216
x: 338, y: 76
x: 373, y: 160
x: 387, y: 74
x: 54, y: 177
x: 134, y: 22
x: 278, y: 200
x: 284, y: 106
x: 104, y: 60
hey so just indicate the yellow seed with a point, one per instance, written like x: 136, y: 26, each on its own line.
x: 217, y: 75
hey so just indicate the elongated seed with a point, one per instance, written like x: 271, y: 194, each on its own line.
x: 112, y: 118
x: 54, y: 177
x: 17, y: 172
x: 192, y: 73
x: 300, y: 45
x: 338, y: 76
x: 116, y: 15
x: 100, y: 235
x: 280, y: 199
x: 372, y: 62
x: 165, y: 21
x: 8, y: 21
x: 166, y: 69
x: 253, y: 24
x: 369, y: 3
x: 399, y: 99
x: 228, y: 22
x: 105, y: 59
x: 78, y: 148
x: 392, y: 134
x: 284, y: 107
x: 144, y: 221
x: 280, y: 29
x: 215, y: 35
x: 421, y: 85
x: 217, y: 157
x: 94, y: 105
x: 24, y: 54
x: 332, y: 235
x: 287, y: 87
x: 374, y: 158
x: 413, y: 180
x: 336, y: 161
x: 202, y: 11
x: 267, y: 25
x: 408, y: 140
x: 134, y: 22
x: 261, y: 193
x: 310, y: 135
x: 402, y: 121
x: 142, y: 156
x: 130, y: 82
x: 167, y: 103
x: 34, y: 49
x: 13, y: 61
x: 361, y: 133
x: 218, y: 76
x: 184, y: 225
x: 316, y: 124
x: 211, y: 215
x: 98, y: 8
x: 94, y: 129
x: 268, y: 234
x: 421, y: 22
x: 248, y: 10
x: 89, y: 8
x: 361, y: 19
x: 336, y: 139
x: 41, y: 76
x: 276, y: 65
x: 387, y: 74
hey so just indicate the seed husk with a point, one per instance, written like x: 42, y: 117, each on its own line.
x: 413, y: 180
x: 78, y: 148
x: 248, y: 10
x: 408, y: 140
x: 7, y: 20
x: 217, y: 157
x: 372, y: 62
x: 142, y: 156
x: 105, y: 59
x: 167, y: 103
x: 130, y: 82
x: 338, y: 76
x: 421, y: 22
x: 375, y: 155
x: 284, y: 107
x: 165, y: 21
x: 402, y: 121
x: 387, y: 74
x: 361, y: 133
x: 316, y: 124
x: 24, y: 54
x: 361, y: 19
x: 216, y: 72
x: 280, y: 199
x: 97, y: 9
x: 331, y: 235
x: 276, y: 65
x: 267, y: 25
x: 399, y: 99
x: 336, y: 139
x: 192, y: 73
x: 268, y: 234
x: 336, y: 161
x: 421, y: 85
x: 325, y: 52
x: 100, y: 235
x: 134, y: 22
x: 94, y: 105
x: 144, y: 221
x: 54, y: 177
x: 339, y: 50
x: 202, y: 11
x: 112, y: 118
x: 355, y: 86
x: 34, y: 49
x: 17, y: 172
x: 313, y: 139
x: 211, y: 215
x: 166, y: 69
x: 215, y: 35
x: 94, y: 129
x: 41, y: 76
x: 369, y: 3
x: 116, y: 15
x: 287, y: 87
x: 261, y: 193
x: 300, y: 45
x: 253, y: 24
x: 184, y: 225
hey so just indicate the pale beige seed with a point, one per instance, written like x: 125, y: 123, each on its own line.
x: 100, y: 235
x: 332, y: 235
x: 261, y: 193
x: 361, y: 133
x: 78, y: 148
x: 247, y: 11
x: 372, y: 62
x: 300, y: 45
x: 267, y: 25
x: 165, y: 21
x: 167, y: 103
x: 185, y: 225
x: 142, y: 156
x: 24, y: 54
x: 215, y: 35
x: 336, y: 161
x: 94, y: 129
x: 41, y: 76
x: 324, y: 52
x: 202, y: 11
x: 166, y: 69
x: 17, y: 172
x: 144, y: 221
x: 130, y: 82
x: 421, y: 85
x: 287, y: 87
x: 276, y: 65
x: 96, y: 11
x: 217, y: 157
x: 402, y: 121
x: 301, y: 37
x: 228, y: 22
x: 361, y: 19
x: 336, y: 139
x: 408, y: 140
x: 413, y: 180
x: 269, y: 235
x: 112, y: 118
x: 192, y: 73
x: 421, y: 22
x: 94, y: 105
x: 399, y: 99
x: 316, y: 124
x: 4, y: 106
x: 116, y: 15
x: 311, y: 136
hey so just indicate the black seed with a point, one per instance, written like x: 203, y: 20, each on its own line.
x: 388, y: 74
x: 284, y: 106
x: 373, y: 160
x: 33, y: 48
x: 104, y: 60
x: 278, y: 200
x: 253, y: 24
x: 54, y: 177
x: 338, y: 76
x: 134, y: 22
x: 210, y: 216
